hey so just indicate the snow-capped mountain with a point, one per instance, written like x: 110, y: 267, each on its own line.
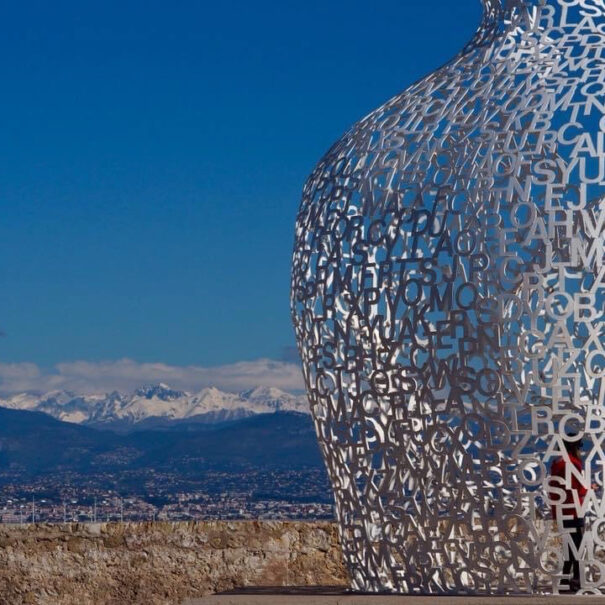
x: 156, y: 404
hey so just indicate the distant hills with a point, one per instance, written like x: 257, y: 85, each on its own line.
x: 33, y: 442
x: 156, y: 406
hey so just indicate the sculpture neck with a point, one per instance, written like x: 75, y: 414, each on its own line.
x: 500, y: 17
x: 560, y: 13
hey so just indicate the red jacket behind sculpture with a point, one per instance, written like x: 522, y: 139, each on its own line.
x: 567, y: 507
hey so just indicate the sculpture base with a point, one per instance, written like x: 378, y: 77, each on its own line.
x: 335, y: 595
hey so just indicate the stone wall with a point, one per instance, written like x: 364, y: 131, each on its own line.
x: 161, y: 562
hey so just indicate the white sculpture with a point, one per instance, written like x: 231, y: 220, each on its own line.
x: 448, y: 289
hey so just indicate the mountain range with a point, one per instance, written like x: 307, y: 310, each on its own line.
x: 156, y: 406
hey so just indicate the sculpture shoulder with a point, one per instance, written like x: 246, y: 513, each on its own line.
x: 398, y: 144
x: 475, y: 120
x: 499, y: 87
x: 418, y: 110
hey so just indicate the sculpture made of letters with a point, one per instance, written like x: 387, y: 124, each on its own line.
x: 447, y: 293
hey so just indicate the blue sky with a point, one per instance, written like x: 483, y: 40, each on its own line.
x: 152, y: 157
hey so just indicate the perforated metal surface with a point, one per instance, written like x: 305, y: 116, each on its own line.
x: 448, y: 287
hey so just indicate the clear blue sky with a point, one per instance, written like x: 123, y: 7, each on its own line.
x: 152, y: 156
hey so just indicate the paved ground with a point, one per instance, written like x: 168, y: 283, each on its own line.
x: 335, y: 596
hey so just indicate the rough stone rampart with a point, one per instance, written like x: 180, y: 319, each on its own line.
x: 161, y: 562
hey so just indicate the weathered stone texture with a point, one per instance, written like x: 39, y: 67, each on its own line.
x: 159, y: 562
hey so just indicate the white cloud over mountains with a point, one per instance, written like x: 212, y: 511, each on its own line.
x: 88, y: 377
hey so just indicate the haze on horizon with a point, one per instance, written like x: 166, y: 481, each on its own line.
x: 152, y: 163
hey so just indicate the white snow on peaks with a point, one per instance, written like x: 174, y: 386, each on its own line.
x: 156, y: 402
